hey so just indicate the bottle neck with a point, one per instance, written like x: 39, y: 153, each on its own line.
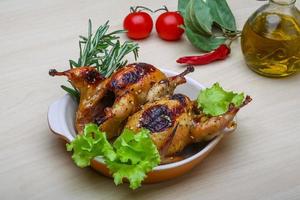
x: 284, y: 2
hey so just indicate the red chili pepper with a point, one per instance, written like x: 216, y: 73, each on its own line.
x: 219, y: 53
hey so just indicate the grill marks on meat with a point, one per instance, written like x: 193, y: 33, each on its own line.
x: 179, y: 97
x: 168, y: 122
x: 110, y: 101
x: 183, y: 101
x: 124, y: 77
x: 174, y: 125
x: 157, y: 118
x: 92, y: 77
x: 130, y: 84
x: 138, y: 96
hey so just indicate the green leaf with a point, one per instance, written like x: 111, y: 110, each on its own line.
x: 182, y: 4
x: 73, y: 92
x: 90, y: 144
x: 238, y: 99
x: 208, y: 12
x: 136, y: 155
x: 221, y: 14
x: 73, y: 64
x: 131, y: 156
x: 134, y: 173
x: 206, y: 21
x: 203, y: 42
x: 201, y: 15
x: 215, y: 100
x: 191, y: 21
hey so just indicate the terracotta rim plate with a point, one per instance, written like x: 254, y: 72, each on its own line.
x: 61, y: 118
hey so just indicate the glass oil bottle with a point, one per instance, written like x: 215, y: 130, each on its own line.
x: 271, y: 39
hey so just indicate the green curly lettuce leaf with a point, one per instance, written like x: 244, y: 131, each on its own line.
x: 215, y: 100
x: 90, y: 144
x: 136, y: 155
x: 130, y: 157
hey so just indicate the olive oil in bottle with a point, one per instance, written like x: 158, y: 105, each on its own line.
x: 271, y: 43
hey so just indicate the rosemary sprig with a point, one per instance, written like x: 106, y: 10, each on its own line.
x: 102, y: 50
x: 114, y: 59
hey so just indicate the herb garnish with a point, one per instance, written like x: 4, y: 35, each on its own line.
x: 131, y: 156
x: 208, y: 23
x: 215, y: 101
x: 103, y: 51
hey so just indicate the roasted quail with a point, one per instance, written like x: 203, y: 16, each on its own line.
x: 141, y: 96
x: 110, y: 101
x: 175, y: 122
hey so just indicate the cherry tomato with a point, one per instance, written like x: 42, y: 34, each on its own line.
x: 167, y: 26
x: 138, y: 25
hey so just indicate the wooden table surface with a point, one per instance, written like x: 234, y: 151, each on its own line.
x: 261, y: 160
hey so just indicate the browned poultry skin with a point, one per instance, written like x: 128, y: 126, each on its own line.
x: 161, y: 118
x: 133, y: 85
x: 185, y: 125
x: 172, y: 120
x: 206, y: 128
x: 92, y: 87
x: 130, y: 84
x: 136, y: 79
x: 167, y: 86
x: 109, y: 102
